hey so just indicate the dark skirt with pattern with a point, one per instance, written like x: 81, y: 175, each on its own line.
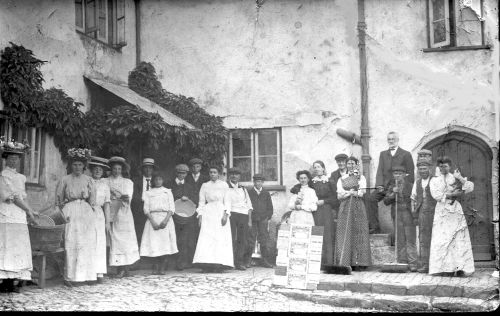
x: 352, y: 246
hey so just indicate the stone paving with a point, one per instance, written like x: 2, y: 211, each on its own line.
x: 188, y: 290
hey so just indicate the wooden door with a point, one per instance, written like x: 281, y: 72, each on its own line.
x: 473, y: 157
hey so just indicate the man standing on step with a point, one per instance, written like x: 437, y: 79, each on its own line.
x: 423, y: 206
x: 239, y: 204
x: 394, y: 156
x: 261, y: 214
x: 401, y: 187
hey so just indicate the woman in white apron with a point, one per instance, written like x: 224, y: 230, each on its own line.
x: 15, y: 247
x: 75, y: 196
x: 451, y: 250
x: 97, y: 167
x: 124, y: 250
x: 214, y: 250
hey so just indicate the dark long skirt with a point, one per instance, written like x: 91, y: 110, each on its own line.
x: 324, y: 217
x: 353, y: 239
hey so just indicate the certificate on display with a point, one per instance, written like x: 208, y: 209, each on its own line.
x: 298, y: 261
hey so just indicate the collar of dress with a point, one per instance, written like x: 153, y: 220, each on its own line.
x: 323, y: 179
x: 9, y: 172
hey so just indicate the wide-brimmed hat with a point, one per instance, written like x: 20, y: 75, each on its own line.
x: 234, y: 171
x: 149, y: 162
x: 341, y: 157
x: 79, y: 154
x: 98, y: 161
x: 13, y: 148
x: 425, y: 152
x: 195, y: 161
x: 120, y: 160
x: 181, y: 168
x: 258, y: 176
x: 398, y: 168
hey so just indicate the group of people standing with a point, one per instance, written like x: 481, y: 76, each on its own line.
x: 348, y: 215
x: 214, y: 224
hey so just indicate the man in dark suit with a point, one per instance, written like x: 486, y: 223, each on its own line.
x: 394, y: 156
x: 185, y: 226
x: 196, y: 176
x: 141, y: 185
x: 261, y: 214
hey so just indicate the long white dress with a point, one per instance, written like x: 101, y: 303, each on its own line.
x: 15, y: 246
x: 123, y: 244
x: 309, y: 204
x: 214, y: 242
x: 77, y: 193
x: 451, y: 248
x: 155, y: 243
x: 102, y: 197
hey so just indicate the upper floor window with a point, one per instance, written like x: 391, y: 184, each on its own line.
x: 31, y: 163
x: 103, y: 20
x: 455, y: 23
x: 256, y: 151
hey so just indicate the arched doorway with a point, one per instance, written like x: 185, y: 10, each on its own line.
x: 474, y: 159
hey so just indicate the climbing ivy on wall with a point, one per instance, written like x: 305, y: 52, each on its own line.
x: 28, y: 104
x: 210, y: 144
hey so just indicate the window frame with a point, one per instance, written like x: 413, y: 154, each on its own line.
x: 33, y: 176
x: 451, y: 24
x: 254, y: 155
x: 110, y: 37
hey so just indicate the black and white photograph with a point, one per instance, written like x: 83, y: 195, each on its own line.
x: 306, y: 156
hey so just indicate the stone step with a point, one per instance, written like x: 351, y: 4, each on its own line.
x: 381, y: 255
x: 389, y: 302
x: 380, y: 240
x: 410, y: 284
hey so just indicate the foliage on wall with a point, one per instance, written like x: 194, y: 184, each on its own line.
x: 114, y: 132
x: 210, y: 145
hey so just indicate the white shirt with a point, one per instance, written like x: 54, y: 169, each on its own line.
x: 238, y: 200
x: 341, y: 193
x: 145, y: 185
x: 257, y: 190
x: 309, y: 199
x: 414, y: 190
x: 393, y: 151
x: 196, y: 176
x: 179, y: 182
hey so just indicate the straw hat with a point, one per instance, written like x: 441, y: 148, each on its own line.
x: 120, y: 160
x: 98, y: 161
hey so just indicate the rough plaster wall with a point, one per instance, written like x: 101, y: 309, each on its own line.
x: 416, y: 93
x: 47, y: 27
x: 290, y: 64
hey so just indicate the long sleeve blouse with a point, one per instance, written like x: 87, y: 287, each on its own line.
x: 73, y: 187
x: 443, y: 184
x: 342, y: 193
x: 324, y: 189
x: 309, y: 199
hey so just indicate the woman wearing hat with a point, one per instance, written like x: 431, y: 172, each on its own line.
x: 15, y: 247
x: 75, y: 196
x: 98, y: 166
x: 124, y: 250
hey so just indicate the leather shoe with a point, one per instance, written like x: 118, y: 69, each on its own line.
x: 413, y: 269
x: 423, y: 270
x: 248, y: 265
x: 240, y: 267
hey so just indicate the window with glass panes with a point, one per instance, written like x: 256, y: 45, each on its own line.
x: 31, y: 162
x: 256, y: 151
x: 102, y: 19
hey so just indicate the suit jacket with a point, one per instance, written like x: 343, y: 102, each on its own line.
x: 334, y: 179
x: 387, y: 161
x: 137, y: 204
x: 187, y: 189
x: 404, y: 197
x: 202, y: 179
x: 262, y: 204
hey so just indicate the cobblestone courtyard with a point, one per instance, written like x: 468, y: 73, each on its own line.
x: 188, y: 290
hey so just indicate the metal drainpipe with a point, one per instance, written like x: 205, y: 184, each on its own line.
x: 365, y: 130
x: 137, y: 4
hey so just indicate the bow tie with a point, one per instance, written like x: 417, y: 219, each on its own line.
x: 392, y: 148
